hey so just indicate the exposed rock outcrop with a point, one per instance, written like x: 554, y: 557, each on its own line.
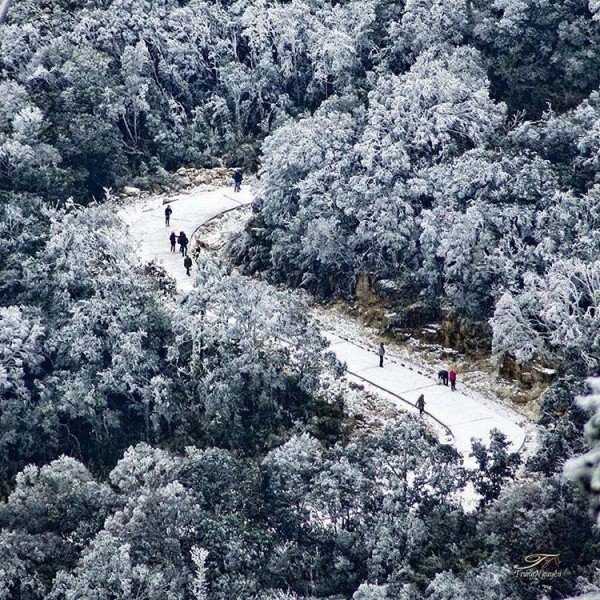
x: 182, y: 179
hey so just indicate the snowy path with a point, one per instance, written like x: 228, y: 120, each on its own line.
x: 146, y: 221
x: 464, y: 413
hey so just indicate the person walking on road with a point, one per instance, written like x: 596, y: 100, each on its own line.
x: 237, y: 180
x: 173, y: 240
x: 187, y: 263
x: 183, y: 243
x: 452, y: 377
x: 168, y: 213
x: 443, y: 377
x: 381, y: 353
x: 421, y: 404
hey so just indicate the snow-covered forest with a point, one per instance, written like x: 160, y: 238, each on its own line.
x: 157, y: 445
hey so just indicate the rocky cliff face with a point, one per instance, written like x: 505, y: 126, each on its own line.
x: 531, y: 377
x: 472, y: 339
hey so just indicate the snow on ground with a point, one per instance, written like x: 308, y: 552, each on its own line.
x: 146, y: 220
x: 214, y: 234
x: 465, y: 413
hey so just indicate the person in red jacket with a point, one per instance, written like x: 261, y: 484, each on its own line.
x: 452, y: 378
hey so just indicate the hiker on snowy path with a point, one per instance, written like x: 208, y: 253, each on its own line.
x: 452, y: 377
x: 443, y: 377
x: 237, y: 180
x: 381, y: 353
x: 183, y: 243
x: 187, y: 263
x: 168, y: 212
x: 421, y: 404
x: 173, y: 240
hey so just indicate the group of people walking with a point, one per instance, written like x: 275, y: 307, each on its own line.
x: 445, y: 376
x: 180, y: 239
x: 183, y: 242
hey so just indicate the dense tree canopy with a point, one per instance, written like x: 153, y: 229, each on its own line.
x: 159, y: 446
x: 461, y: 173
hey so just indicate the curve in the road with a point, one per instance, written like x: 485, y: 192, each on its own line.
x: 461, y: 415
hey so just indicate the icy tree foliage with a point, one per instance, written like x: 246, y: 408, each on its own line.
x: 585, y: 468
x: 438, y: 182
x: 445, y: 151
x: 92, y: 358
x: 556, y: 313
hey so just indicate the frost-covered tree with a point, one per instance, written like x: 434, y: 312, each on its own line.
x: 532, y: 46
x: 50, y: 514
x: 334, y: 496
x: 61, y: 497
x: 248, y: 361
x: 495, y: 465
x: 367, y: 591
x: 559, y: 309
x: 199, y: 586
x: 584, y: 468
x: 107, y: 326
x: 433, y: 23
x: 24, y: 154
x: 141, y: 550
x: 439, y: 108
x: 490, y: 582
x: 560, y: 427
x: 85, y: 345
x: 305, y: 202
x: 21, y: 361
x: 549, y: 513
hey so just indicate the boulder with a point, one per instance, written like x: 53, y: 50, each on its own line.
x: 180, y: 181
x: 129, y: 190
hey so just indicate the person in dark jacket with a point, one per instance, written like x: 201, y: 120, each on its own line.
x: 421, y: 404
x: 168, y: 213
x: 237, y: 180
x: 381, y: 353
x: 187, y: 263
x: 183, y: 243
x: 173, y: 240
x: 452, y: 377
x: 443, y: 377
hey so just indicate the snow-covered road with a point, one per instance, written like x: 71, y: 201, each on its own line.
x: 146, y: 221
x: 463, y: 412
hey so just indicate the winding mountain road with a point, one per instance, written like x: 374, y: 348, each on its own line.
x: 463, y: 414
